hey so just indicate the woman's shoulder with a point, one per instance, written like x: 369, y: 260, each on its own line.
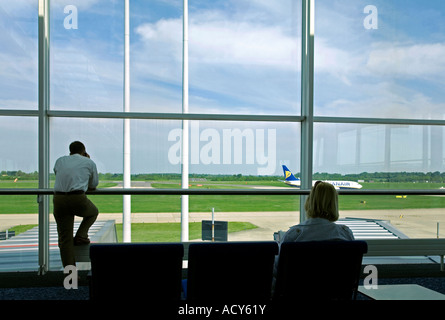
x: 346, y: 231
x: 292, y: 234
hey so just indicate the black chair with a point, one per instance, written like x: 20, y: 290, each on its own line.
x: 136, y: 271
x: 319, y: 270
x: 230, y: 271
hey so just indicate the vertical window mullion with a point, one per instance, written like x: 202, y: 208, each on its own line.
x: 43, y: 137
x: 307, y: 98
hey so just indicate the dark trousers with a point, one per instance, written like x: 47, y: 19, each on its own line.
x: 65, y: 208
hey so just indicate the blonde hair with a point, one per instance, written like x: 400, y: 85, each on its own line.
x: 322, y: 202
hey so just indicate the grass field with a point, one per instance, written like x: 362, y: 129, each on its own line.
x: 171, y: 232
x: 159, y: 232
x: 229, y: 203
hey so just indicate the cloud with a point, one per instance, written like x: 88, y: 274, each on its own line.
x: 215, y: 39
x: 383, y: 60
x: 81, y: 79
x: 250, y: 64
x: 218, y: 41
x: 338, y: 62
x: 384, y: 100
x: 412, y: 61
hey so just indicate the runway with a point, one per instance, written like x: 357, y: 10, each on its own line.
x: 415, y: 223
x: 20, y: 253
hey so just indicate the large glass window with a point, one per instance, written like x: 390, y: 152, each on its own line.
x: 381, y: 60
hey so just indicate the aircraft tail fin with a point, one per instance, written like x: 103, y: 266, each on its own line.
x: 288, y: 175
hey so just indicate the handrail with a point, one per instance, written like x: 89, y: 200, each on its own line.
x: 177, y: 191
x: 174, y: 116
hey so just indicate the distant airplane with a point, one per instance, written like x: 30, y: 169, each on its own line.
x: 290, y: 180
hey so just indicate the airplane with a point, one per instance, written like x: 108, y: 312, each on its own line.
x: 290, y: 180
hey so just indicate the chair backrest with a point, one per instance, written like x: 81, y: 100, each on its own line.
x: 230, y: 271
x: 319, y: 270
x: 136, y: 271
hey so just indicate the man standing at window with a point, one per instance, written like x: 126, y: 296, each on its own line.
x: 75, y: 174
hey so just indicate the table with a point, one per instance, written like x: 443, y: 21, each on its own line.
x: 401, y: 292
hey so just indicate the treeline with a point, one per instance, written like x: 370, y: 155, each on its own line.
x: 436, y: 177
x: 192, y: 176
x: 12, y: 175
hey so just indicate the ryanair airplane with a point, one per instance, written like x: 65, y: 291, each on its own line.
x: 290, y: 180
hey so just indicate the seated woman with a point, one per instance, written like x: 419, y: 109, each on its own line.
x: 322, y: 212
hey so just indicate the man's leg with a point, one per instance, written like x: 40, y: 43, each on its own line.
x: 65, y: 221
x: 89, y: 212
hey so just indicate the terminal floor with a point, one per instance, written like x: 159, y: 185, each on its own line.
x: 30, y: 286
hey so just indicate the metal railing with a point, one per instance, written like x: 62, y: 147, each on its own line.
x: 177, y: 191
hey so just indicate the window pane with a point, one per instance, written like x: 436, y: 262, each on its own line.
x: 351, y: 149
x: 102, y: 138
x: 18, y: 53
x: 19, y: 169
x: 87, y: 55
x: 380, y: 60
x: 245, y: 57
x: 19, y: 148
x: 104, y: 143
x: 385, y: 157
x: 225, y: 147
x: 223, y: 155
x: 156, y: 56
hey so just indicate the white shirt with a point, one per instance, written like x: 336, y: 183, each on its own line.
x: 75, y: 172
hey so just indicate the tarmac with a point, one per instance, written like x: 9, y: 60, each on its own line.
x: 415, y: 223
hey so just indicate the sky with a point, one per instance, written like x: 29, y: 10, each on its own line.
x: 244, y: 58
